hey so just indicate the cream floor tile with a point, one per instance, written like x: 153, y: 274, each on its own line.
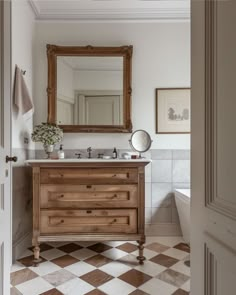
x: 83, y: 254
x: 181, y: 267
x: 45, y: 268
x: 59, y: 277
x: 186, y: 286
x: 17, y: 266
x: 114, y: 253
x: 168, y: 241
x: 155, y: 286
x: 130, y: 260
x: 175, y: 253
x: 116, y: 286
x: 113, y: 243
x: 115, y: 268
x: 80, y: 268
x: 52, y: 254
x: 34, y: 287
x: 75, y: 287
x: 151, y: 268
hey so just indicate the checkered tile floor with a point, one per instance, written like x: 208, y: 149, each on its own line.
x: 111, y: 268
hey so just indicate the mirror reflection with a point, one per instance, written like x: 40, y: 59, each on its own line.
x: 90, y: 90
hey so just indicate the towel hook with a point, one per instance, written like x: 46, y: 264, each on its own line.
x: 23, y: 72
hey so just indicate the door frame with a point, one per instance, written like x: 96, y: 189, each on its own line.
x: 6, y: 86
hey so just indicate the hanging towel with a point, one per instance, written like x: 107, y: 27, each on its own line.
x: 22, y: 99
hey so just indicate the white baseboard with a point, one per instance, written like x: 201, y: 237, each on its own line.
x: 21, y: 245
x: 163, y: 229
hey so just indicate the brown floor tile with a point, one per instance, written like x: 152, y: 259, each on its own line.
x: 99, y: 247
x: 43, y: 247
x: 128, y: 247
x: 135, y: 277
x: 98, y: 260
x: 95, y: 292
x: 22, y: 276
x: 164, y: 260
x: 28, y: 260
x: 138, y: 292
x: 65, y: 260
x: 68, y: 248
x: 157, y: 247
x: 180, y: 292
x: 96, y: 277
x: 182, y: 247
x: 59, y: 277
x: 173, y: 277
x: 14, y: 291
x: 52, y: 292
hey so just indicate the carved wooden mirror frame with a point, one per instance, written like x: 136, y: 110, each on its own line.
x: 126, y: 51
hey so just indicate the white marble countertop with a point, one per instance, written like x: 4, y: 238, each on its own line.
x: 87, y: 160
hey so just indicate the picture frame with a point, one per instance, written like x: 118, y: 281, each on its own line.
x: 173, y: 113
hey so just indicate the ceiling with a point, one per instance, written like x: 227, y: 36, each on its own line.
x: 111, y: 10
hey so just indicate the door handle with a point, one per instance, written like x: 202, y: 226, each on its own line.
x: 11, y: 159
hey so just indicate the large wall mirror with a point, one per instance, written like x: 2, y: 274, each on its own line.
x: 89, y: 88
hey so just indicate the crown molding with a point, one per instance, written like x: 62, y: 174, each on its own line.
x: 35, y: 7
x: 177, y: 12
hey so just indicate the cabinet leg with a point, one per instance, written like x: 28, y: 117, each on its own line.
x: 141, y: 258
x: 36, y: 260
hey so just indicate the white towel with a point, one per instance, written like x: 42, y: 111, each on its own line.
x: 22, y: 98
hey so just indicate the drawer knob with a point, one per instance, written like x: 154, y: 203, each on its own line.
x: 61, y: 196
x: 89, y: 211
x: 114, y: 196
x: 113, y: 221
x: 62, y: 221
x: 89, y: 186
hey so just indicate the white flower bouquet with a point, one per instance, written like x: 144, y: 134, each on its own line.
x: 48, y: 134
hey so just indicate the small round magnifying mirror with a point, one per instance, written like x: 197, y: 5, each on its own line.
x: 140, y: 141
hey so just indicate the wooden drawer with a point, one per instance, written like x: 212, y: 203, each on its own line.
x: 88, y: 221
x: 88, y: 175
x: 89, y: 196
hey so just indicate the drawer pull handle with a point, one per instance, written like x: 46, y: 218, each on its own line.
x: 114, y: 196
x: 89, y: 211
x: 89, y: 186
x: 113, y: 221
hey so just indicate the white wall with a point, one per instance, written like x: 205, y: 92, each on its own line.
x: 161, y: 58
x: 23, y: 28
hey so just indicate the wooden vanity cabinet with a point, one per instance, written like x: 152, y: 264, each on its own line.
x: 88, y: 201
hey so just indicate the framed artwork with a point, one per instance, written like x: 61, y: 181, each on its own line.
x: 173, y: 110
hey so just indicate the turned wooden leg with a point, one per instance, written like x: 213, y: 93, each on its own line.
x: 36, y: 260
x: 141, y: 258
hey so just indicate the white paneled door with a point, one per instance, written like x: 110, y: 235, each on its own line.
x: 213, y: 206
x: 5, y: 141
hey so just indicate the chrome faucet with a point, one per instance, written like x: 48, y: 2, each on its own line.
x: 89, y: 150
